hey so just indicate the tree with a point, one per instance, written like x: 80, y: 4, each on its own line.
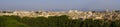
x: 88, y: 23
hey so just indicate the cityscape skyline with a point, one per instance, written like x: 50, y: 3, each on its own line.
x: 59, y: 13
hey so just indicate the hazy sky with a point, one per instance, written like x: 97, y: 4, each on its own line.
x: 56, y: 4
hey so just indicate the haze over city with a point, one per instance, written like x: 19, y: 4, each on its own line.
x: 59, y: 4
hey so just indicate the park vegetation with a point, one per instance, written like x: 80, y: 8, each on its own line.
x: 54, y: 21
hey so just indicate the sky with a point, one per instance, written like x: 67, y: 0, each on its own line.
x: 58, y: 4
